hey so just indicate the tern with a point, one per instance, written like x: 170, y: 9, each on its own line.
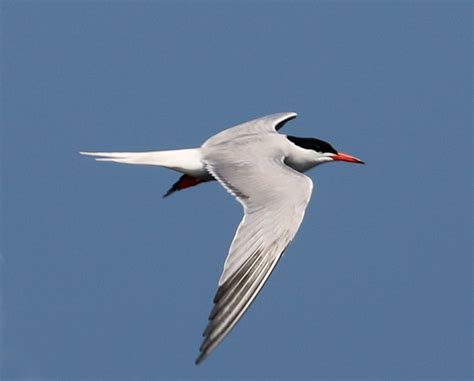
x: 263, y: 170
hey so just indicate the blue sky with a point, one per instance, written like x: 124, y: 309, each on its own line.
x: 103, y: 279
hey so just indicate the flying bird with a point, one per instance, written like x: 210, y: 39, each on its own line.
x: 263, y: 170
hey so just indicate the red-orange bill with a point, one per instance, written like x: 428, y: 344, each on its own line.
x: 345, y: 157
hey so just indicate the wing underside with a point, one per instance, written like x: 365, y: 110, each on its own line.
x: 274, y: 198
x: 233, y: 298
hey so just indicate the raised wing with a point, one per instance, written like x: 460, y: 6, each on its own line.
x: 274, y: 198
x: 269, y: 123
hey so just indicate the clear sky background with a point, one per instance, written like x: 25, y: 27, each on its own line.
x: 103, y: 279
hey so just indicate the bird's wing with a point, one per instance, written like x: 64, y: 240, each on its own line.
x: 269, y: 123
x: 274, y: 198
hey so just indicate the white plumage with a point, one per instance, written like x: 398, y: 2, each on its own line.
x: 262, y: 169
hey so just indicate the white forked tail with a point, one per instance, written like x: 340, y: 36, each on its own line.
x: 186, y: 161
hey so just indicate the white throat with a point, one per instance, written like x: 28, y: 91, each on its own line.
x: 302, y: 159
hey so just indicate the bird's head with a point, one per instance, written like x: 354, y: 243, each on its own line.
x: 323, y: 151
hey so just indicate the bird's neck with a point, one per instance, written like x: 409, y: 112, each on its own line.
x: 301, y: 159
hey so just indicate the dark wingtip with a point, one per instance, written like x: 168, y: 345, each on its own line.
x: 287, y: 119
x: 200, y: 358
